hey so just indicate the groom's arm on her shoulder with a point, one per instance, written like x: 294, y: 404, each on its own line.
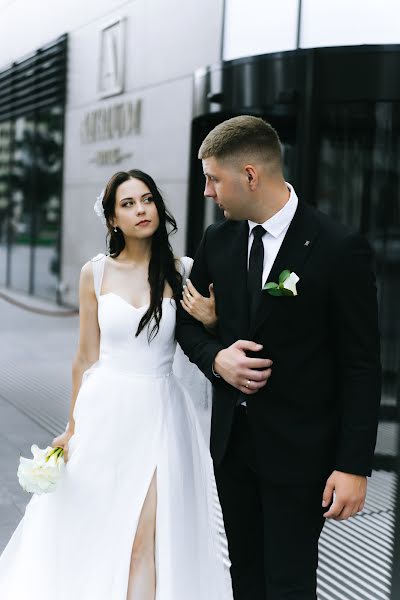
x: 199, y: 345
x: 355, y: 314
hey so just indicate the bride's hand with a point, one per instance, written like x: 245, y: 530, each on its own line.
x: 201, y: 308
x: 62, y: 441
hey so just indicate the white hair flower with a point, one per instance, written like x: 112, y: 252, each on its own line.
x: 98, y: 208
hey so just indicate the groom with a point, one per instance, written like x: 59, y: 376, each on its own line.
x: 296, y: 374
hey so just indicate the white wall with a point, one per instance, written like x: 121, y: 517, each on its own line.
x: 259, y: 26
x: 165, y: 43
x: 349, y: 22
x: 262, y: 26
x: 26, y: 25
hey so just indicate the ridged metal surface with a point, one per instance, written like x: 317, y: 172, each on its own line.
x: 35, y: 82
x: 356, y: 555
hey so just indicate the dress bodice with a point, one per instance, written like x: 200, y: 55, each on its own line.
x: 120, y: 348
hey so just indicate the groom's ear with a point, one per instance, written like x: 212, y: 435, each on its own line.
x: 252, y: 176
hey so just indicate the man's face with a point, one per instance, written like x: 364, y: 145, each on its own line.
x: 226, y: 185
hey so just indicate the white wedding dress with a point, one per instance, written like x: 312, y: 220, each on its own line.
x: 133, y: 418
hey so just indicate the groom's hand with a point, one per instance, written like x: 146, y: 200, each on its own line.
x: 348, y: 493
x: 245, y: 374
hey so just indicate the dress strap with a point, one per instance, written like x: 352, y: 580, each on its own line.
x: 98, y: 263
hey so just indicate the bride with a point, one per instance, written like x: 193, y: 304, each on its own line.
x: 136, y: 515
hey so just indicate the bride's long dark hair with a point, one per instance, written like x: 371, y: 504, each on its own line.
x: 162, y: 267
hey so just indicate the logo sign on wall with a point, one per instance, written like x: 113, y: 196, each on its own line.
x: 116, y: 122
x: 112, y: 59
x: 110, y: 123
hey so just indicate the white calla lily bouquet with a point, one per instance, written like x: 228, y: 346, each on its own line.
x: 41, y: 474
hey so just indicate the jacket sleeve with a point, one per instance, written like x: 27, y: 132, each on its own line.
x: 200, y: 346
x: 356, y: 337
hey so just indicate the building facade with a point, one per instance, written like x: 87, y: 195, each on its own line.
x: 106, y: 85
x: 136, y: 83
x: 128, y: 103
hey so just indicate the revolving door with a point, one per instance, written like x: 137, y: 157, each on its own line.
x: 337, y: 111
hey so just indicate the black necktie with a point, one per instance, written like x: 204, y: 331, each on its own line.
x: 256, y: 266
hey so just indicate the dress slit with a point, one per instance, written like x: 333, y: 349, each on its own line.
x: 133, y: 535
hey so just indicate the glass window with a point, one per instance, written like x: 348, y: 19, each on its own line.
x: 358, y: 183
x: 21, y: 197
x: 31, y: 156
x: 47, y: 202
x: 5, y: 149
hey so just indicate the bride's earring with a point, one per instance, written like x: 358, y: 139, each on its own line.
x: 115, y: 229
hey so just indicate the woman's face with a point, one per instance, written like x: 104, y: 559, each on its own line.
x: 135, y: 210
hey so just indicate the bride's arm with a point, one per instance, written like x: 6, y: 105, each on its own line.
x: 88, y: 346
x: 89, y: 335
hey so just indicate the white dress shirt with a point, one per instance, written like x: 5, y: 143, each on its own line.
x: 276, y: 228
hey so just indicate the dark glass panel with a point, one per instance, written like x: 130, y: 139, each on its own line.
x: 47, y: 202
x: 358, y: 184
x: 21, y: 213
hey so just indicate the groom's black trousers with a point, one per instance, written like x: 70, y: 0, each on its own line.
x: 272, y: 530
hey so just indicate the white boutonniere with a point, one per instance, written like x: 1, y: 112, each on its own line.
x: 285, y: 287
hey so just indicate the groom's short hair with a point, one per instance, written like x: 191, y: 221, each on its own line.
x: 244, y: 138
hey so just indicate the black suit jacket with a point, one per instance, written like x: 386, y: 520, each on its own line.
x: 319, y: 409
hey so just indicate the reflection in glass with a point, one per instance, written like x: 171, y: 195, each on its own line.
x: 31, y: 154
x: 358, y: 184
x: 47, y: 205
x: 21, y: 216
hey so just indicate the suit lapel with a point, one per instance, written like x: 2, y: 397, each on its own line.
x: 295, y: 248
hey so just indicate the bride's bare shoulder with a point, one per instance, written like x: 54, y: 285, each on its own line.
x: 87, y: 269
x: 87, y: 279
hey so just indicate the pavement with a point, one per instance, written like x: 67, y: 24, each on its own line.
x: 36, y: 352
x: 17, y: 433
x: 35, y: 362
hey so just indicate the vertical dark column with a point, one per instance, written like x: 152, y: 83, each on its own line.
x: 195, y: 218
x: 34, y: 200
x: 307, y: 132
x: 9, y: 191
x: 33, y: 188
x: 59, y: 248
x: 32, y: 209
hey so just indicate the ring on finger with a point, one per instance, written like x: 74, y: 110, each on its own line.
x: 248, y: 383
